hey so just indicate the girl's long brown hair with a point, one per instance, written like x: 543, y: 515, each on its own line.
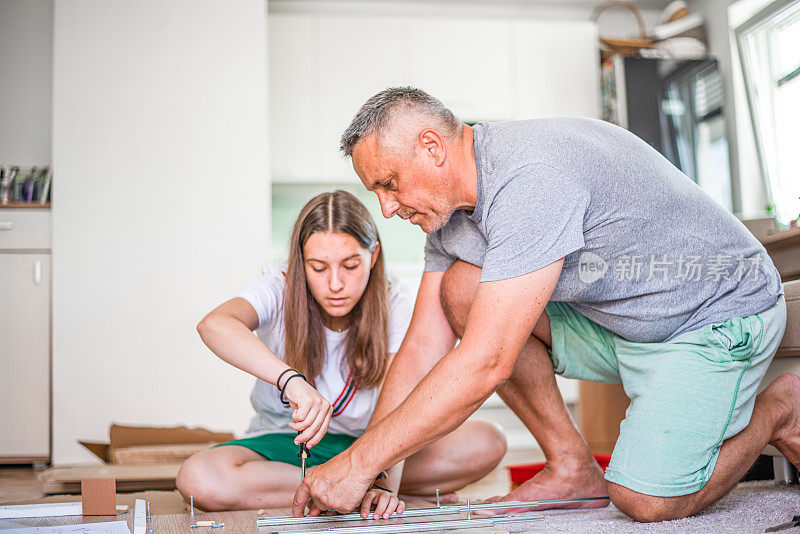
x: 368, y: 335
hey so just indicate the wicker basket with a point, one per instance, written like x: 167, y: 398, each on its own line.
x: 619, y: 45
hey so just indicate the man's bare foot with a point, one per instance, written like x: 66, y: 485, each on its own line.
x: 784, y: 394
x: 565, y: 481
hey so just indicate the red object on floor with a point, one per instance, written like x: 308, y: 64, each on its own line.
x: 521, y: 472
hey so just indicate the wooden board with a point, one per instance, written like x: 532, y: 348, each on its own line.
x: 243, y: 522
x: 128, y: 477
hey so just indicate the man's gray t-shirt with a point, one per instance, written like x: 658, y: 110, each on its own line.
x: 647, y: 254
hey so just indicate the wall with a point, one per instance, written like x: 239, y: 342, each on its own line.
x: 161, y: 208
x: 26, y: 63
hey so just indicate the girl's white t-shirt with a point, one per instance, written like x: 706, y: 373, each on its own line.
x: 352, y: 405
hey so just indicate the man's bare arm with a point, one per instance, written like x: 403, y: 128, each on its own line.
x: 500, y: 321
x: 428, y: 339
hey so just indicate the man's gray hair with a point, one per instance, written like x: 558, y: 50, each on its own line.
x: 379, y: 112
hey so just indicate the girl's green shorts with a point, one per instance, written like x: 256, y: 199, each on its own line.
x: 687, y: 395
x: 280, y: 447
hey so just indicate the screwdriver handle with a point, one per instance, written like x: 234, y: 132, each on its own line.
x: 303, y: 449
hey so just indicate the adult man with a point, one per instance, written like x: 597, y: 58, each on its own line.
x: 538, y: 235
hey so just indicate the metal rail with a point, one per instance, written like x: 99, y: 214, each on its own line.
x: 428, y: 526
x: 418, y: 512
x: 410, y: 512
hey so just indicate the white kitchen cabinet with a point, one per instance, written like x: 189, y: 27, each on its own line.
x: 24, y: 336
x: 294, y: 108
x: 557, y: 69
x: 466, y: 63
x: 358, y: 57
x: 323, y: 67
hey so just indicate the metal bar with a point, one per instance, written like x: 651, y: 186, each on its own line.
x: 416, y: 512
x: 410, y: 512
x: 428, y: 526
x: 505, y: 505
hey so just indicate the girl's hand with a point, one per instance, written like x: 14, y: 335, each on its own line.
x: 311, y: 412
x: 385, y: 504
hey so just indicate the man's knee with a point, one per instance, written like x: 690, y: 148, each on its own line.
x: 459, y: 284
x: 648, y: 508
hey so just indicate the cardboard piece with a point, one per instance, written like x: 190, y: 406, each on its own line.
x: 99, y: 496
x: 155, y: 454
x: 601, y: 408
x: 790, y: 344
x: 127, y: 437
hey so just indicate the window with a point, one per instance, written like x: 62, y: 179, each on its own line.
x: 696, y: 132
x: 769, y: 50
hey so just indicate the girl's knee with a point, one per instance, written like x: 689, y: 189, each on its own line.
x: 489, y: 444
x: 196, y: 479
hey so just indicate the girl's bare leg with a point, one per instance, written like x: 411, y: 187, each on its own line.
x: 464, y: 456
x: 236, y: 478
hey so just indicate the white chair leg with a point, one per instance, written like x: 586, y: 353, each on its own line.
x: 785, y: 472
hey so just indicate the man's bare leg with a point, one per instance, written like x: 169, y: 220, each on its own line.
x: 533, y: 395
x: 775, y: 420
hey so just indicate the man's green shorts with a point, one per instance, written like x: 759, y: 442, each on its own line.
x: 687, y: 395
x: 280, y: 447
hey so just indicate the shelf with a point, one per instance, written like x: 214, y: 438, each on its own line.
x: 25, y: 205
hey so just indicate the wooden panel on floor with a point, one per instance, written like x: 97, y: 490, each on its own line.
x: 235, y: 523
x: 128, y: 477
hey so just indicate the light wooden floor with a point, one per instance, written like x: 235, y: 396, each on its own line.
x: 20, y: 484
x: 169, y: 513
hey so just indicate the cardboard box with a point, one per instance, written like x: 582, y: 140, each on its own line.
x: 132, y: 445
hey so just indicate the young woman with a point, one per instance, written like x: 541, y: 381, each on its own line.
x: 327, y: 331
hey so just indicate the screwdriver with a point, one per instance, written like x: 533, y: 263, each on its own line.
x: 303, y: 455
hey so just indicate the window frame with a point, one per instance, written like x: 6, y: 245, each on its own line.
x: 767, y: 154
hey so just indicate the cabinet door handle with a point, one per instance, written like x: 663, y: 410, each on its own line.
x: 37, y: 272
x: 6, y: 225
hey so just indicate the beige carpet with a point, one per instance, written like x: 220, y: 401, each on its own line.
x: 750, y: 507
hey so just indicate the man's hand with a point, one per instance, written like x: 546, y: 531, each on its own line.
x: 335, y: 485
